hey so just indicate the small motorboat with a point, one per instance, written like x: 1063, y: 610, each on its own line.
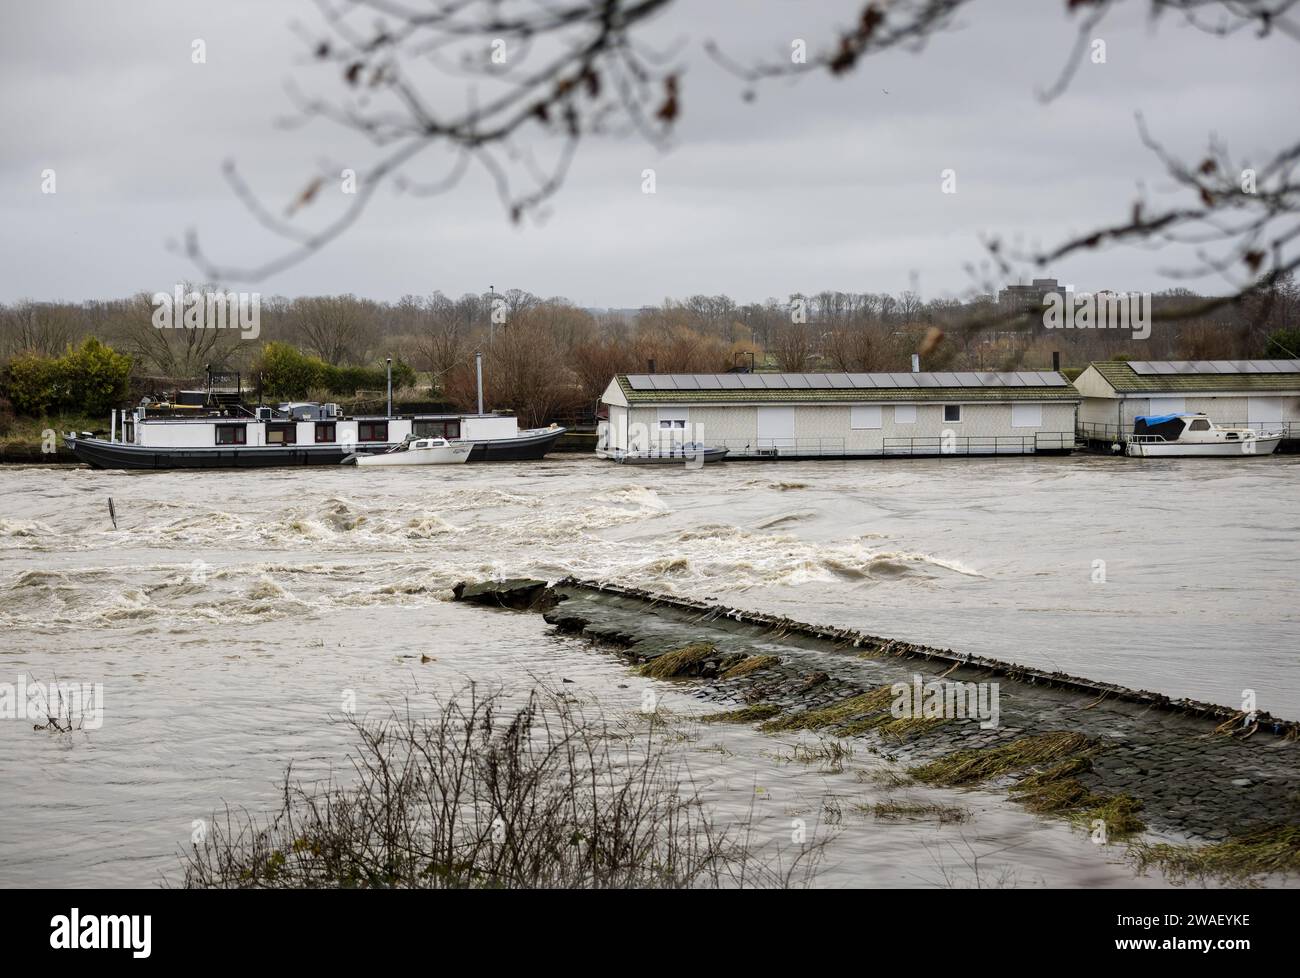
x: 1186, y: 435
x: 417, y: 451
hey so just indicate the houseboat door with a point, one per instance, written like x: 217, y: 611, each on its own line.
x: 776, y: 427
x: 1264, y: 414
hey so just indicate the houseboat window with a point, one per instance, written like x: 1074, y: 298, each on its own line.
x: 436, y: 429
x: 1201, y: 425
x: 1026, y: 415
x: 904, y: 414
x: 667, y: 423
x: 952, y: 412
x: 324, y: 432
x: 282, y: 434
x: 231, y: 434
x: 372, y: 431
x: 862, y: 416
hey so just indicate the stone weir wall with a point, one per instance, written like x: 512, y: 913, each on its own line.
x: 1062, y: 745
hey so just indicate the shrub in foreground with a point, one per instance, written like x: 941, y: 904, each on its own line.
x: 481, y: 795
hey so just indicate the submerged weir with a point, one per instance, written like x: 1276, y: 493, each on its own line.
x: 1114, y: 760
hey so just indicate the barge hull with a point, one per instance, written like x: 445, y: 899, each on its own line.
x: 526, y: 448
x: 99, y: 454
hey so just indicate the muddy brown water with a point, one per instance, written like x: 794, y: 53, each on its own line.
x: 229, y: 614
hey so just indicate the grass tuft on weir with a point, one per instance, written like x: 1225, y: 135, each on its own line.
x: 968, y: 767
x: 1270, y: 849
x: 679, y: 662
x: 750, y: 664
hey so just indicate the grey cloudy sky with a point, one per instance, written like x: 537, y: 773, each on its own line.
x: 817, y: 184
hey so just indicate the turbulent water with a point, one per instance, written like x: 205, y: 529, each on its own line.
x: 229, y: 615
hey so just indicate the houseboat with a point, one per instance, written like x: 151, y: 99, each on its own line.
x: 1184, y: 435
x: 158, y: 435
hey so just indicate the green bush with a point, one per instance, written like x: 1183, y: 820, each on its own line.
x: 287, y: 372
x: 91, y: 379
x: 1283, y: 344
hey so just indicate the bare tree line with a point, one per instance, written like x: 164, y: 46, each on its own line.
x: 546, y: 358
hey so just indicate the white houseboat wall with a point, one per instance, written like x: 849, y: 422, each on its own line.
x: 1263, y: 395
x: 841, y: 415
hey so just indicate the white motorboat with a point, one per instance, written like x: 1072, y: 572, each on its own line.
x: 418, y: 451
x: 1187, y: 435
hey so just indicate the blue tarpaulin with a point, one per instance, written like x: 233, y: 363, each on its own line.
x: 1153, y: 419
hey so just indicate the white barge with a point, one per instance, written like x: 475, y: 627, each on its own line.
x: 154, y: 436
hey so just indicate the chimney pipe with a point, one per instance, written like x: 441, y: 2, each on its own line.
x: 651, y: 365
x: 916, y: 363
x: 390, y: 387
x: 1056, y: 360
x: 478, y: 374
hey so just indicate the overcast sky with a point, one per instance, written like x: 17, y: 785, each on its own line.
x: 818, y: 184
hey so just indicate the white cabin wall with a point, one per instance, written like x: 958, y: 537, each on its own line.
x: 1100, y: 410
x: 829, y: 425
x: 160, y: 434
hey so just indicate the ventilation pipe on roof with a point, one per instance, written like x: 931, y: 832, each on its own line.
x: 478, y: 380
x: 916, y: 363
x: 651, y: 366
x: 1056, y: 360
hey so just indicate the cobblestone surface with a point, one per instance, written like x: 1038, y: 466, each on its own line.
x: 1190, y: 779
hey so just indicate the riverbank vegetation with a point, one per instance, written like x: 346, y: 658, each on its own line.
x: 482, y: 794
x: 549, y: 359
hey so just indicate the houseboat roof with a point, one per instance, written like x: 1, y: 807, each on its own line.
x: 1022, y: 385
x: 1199, y: 376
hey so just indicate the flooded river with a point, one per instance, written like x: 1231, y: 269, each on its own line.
x: 230, y: 615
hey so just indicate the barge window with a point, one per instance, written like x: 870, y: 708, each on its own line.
x: 372, y: 431
x: 231, y: 434
x: 324, y: 431
x: 952, y: 412
x: 436, y: 429
x: 282, y: 434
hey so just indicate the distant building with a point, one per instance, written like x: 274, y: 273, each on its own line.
x: 1018, y: 297
x: 771, y: 415
x: 1263, y: 394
